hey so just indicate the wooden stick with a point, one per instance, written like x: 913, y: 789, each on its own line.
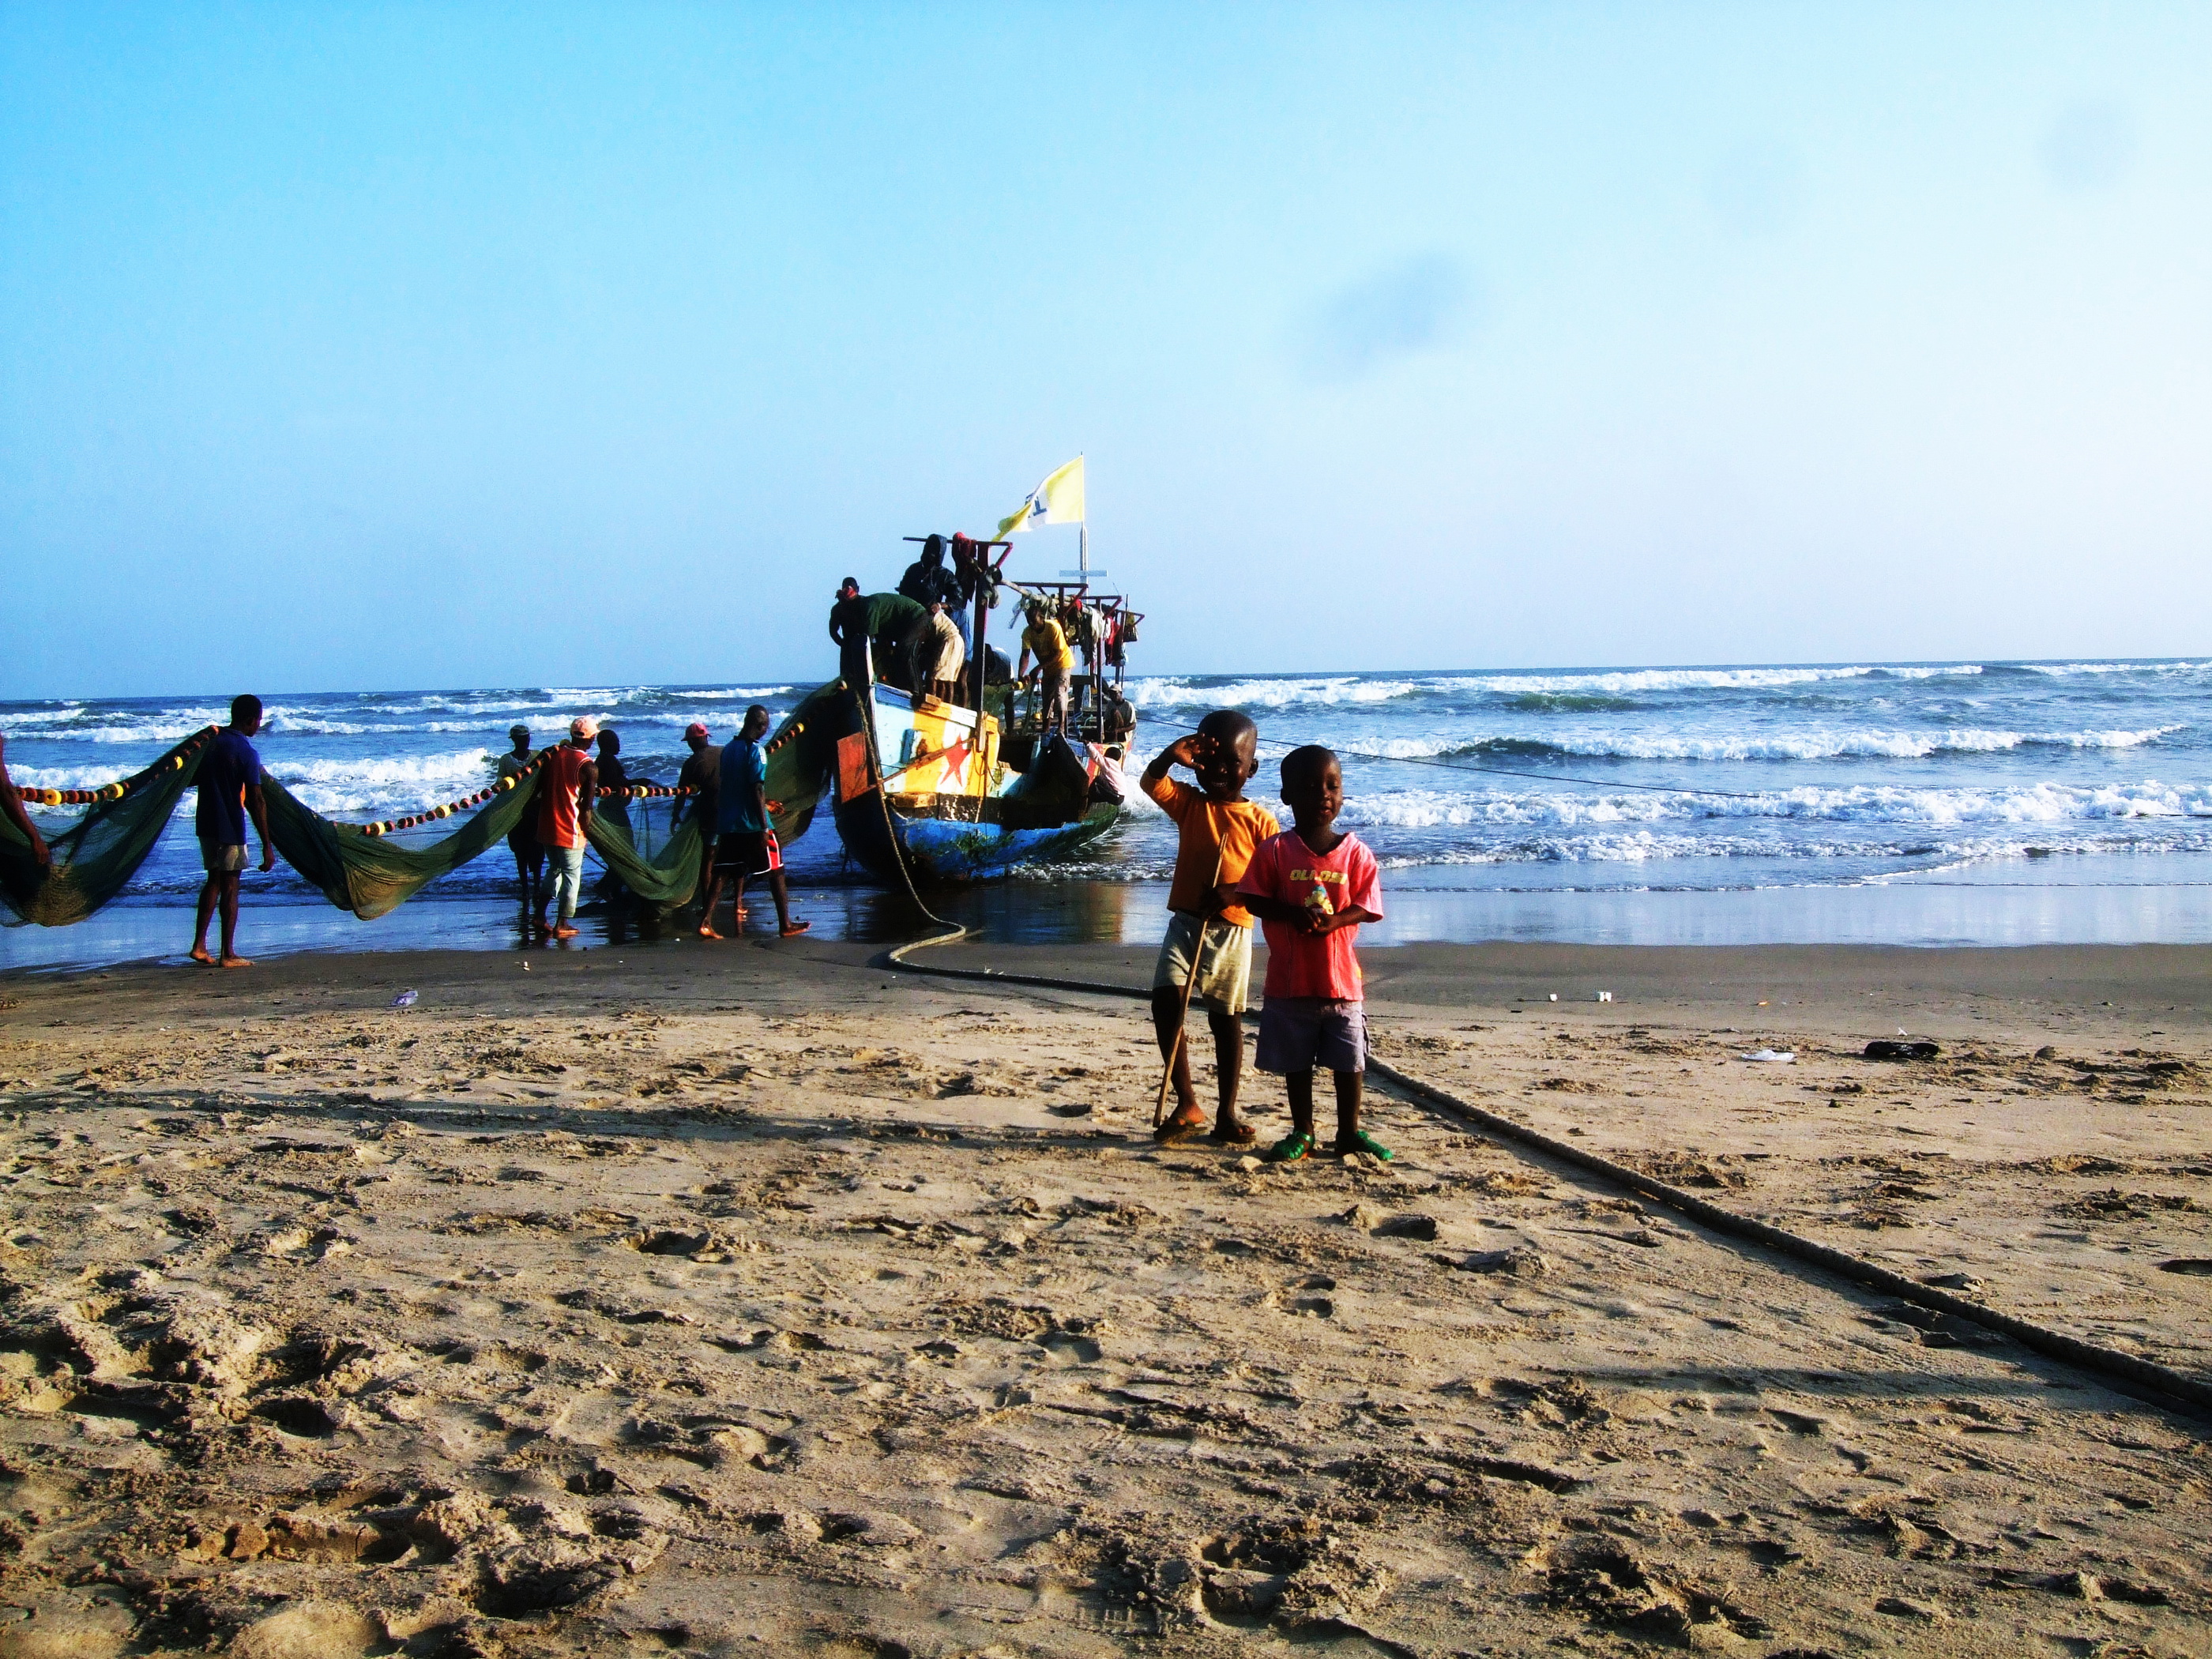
x: 1189, y: 984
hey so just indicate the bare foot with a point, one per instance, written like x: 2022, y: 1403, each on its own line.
x: 200, y: 955
x: 706, y: 931
x: 564, y: 933
x: 238, y: 962
x: 793, y: 929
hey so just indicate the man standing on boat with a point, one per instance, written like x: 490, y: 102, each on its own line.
x: 938, y: 655
x: 884, y: 620
x: 1049, y: 641
x: 848, y: 630
x: 927, y: 579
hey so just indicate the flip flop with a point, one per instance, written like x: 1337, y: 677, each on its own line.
x: 1291, y: 1147
x: 1178, y: 1128
x: 1363, y: 1142
x: 795, y: 929
x: 1237, y: 1134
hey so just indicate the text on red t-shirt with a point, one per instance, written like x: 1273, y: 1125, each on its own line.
x: 1299, y: 963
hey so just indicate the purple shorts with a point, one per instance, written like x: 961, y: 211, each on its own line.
x: 1297, y: 1034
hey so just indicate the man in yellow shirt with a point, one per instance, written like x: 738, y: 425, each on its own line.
x: 1049, y: 641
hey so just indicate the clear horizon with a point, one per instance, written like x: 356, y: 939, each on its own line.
x: 590, y: 346
x: 1478, y: 670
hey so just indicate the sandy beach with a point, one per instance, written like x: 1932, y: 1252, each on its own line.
x: 756, y: 1299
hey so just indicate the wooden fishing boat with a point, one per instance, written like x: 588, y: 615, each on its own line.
x: 960, y: 792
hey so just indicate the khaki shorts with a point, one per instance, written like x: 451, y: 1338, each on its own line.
x: 221, y: 858
x: 1224, y: 967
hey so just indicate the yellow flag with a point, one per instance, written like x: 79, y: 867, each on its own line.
x: 1058, y: 500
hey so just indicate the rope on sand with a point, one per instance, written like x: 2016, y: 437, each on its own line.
x: 2091, y: 1357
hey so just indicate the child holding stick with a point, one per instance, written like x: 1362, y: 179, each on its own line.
x: 1208, y: 949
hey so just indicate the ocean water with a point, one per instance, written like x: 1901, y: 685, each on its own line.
x: 1969, y: 802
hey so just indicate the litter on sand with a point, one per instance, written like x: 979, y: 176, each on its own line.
x: 404, y: 999
x: 1772, y: 1056
x: 1884, y: 1048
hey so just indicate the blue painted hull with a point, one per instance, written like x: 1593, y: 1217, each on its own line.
x: 940, y: 851
x: 941, y: 833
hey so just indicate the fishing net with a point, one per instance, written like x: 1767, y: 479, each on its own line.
x: 95, y: 858
x: 372, y: 874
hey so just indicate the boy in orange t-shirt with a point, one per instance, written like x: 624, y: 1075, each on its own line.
x: 1210, y: 934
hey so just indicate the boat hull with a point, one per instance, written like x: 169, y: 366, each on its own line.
x: 952, y: 813
x: 939, y: 852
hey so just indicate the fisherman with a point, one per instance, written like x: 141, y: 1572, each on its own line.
x: 522, y: 839
x: 938, y: 654
x: 971, y: 575
x: 848, y: 631
x: 927, y: 579
x: 702, y: 776
x: 568, y: 793
x: 1206, y: 956
x: 1311, y: 887
x: 613, y: 776
x: 884, y: 621
x: 229, y: 782
x: 1049, y: 641
x: 11, y: 808
x: 747, y: 846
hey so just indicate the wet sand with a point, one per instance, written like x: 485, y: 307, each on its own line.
x: 755, y: 1299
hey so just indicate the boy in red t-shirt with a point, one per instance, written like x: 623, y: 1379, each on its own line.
x: 1311, y: 887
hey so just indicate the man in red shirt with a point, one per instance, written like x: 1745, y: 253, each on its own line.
x: 1311, y: 887
x: 567, y: 794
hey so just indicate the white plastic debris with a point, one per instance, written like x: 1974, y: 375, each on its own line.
x: 1605, y: 996
x: 1771, y: 1057
x: 404, y: 999
x: 1555, y: 996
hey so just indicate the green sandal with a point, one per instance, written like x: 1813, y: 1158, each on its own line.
x: 1291, y: 1147
x: 1363, y: 1142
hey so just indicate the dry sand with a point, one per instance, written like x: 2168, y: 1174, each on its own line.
x: 750, y: 1299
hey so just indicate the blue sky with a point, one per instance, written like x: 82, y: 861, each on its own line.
x: 362, y: 346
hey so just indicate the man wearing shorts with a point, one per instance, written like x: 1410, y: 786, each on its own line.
x: 229, y: 782
x: 702, y: 776
x: 522, y: 839
x: 747, y: 847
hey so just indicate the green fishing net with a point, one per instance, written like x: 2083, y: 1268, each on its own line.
x: 370, y: 875
x: 95, y: 858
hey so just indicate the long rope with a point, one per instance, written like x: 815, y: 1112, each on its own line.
x: 2091, y: 1357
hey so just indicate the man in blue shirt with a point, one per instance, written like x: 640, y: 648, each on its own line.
x: 229, y: 782
x: 747, y: 847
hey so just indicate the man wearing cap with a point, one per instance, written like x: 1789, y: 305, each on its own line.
x: 702, y: 776
x: 568, y: 790
x: 522, y: 839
